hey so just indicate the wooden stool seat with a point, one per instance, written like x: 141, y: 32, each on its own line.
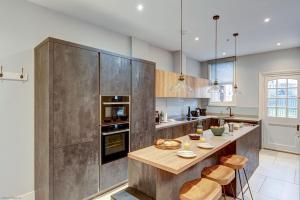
x: 219, y: 173
x: 200, y: 189
x: 234, y: 161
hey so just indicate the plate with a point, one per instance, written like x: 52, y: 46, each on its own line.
x: 186, y: 154
x: 205, y: 145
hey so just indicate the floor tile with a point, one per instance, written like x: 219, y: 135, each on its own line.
x: 257, y: 196
x: 278, y: 172
x: 280, y: 189
x: 107, y: 195
x: 256, y: 181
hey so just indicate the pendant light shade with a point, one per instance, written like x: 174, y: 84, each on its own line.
x: 236, y: 90
x: 215, y: 87
x: 181, y: 85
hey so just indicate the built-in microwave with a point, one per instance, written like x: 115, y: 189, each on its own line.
x: 115, y: 109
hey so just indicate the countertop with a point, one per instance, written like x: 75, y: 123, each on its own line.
x: 168, y: 160
x: 225, y: 117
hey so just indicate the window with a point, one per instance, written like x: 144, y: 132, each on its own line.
x: 282, y: 98
x: 224, y: 73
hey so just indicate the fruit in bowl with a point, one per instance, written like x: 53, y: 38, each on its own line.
x: 217, y: 130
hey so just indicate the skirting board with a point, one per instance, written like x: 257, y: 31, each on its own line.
x: 27, y: 196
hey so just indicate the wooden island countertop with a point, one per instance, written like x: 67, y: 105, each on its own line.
x: 167, y: 160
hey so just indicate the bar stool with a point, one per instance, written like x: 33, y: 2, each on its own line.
x: 200, y: 189
x: 220, y: 174
x: 237, y: 162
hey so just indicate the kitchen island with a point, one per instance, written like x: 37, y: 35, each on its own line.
x: 160, y: 173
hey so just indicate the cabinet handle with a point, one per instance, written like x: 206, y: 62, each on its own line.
x: 298, y: 127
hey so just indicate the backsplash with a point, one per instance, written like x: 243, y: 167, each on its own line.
x: 179, y: 107
x: 176, y: 106
x: 253, y: 111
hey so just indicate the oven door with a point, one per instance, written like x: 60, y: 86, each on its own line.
x: 114, y: 145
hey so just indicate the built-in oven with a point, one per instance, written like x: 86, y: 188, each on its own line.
x: 115, y: 128
x: 114, y: 142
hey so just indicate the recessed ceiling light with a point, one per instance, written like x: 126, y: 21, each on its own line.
x: 278, y: 44
x: 267, y: 20
x: 224, y: 53
x: 197, y: 38
x: 140, y: 7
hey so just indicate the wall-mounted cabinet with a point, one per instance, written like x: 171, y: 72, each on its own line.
x: 164, y: 81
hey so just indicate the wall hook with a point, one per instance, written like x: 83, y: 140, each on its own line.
x: 22, y: 74
x: 1, y: 71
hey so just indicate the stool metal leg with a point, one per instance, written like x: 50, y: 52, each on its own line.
x: 248, y: 183
x: 232, y: 190
x: 224, y: 192
x: 241, y: 184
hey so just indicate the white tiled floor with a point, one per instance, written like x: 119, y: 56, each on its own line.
x: 276, y: 178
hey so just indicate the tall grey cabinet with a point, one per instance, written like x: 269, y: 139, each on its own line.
x: 143, y: 105
x: 69, y: 79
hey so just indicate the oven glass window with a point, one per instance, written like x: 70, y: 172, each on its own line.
x: 114, y: 144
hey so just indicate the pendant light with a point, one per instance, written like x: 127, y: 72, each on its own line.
x: 181, y: 85
x: 215, y: 87
x: 236, y: 90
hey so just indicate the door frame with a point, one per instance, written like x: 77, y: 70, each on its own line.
x: 261, y: 95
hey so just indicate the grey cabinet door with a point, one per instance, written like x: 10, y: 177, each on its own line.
x: 76, y: 171
x: 143, y: 105
x: 113, y: 173
x: 115, y: 75
x: 75, y: 95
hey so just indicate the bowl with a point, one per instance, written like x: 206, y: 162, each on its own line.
x: 217, y: 131
x: 194, y: 136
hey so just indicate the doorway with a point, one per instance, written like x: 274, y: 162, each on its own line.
x: 281, y: 113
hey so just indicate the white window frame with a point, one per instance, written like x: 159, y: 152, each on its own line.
x: 223, y: 104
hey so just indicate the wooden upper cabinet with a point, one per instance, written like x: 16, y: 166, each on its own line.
x: 75, y: 95
x: 160, y: 81
x: 165, y: 81
x: 115, y: 75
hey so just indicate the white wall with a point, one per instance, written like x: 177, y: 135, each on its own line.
x: 143, y: 50
x: 23, y: 26
x: 248, y: 69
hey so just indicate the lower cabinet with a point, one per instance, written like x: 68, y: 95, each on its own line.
x: 113, y: 174
x: 76, y: 171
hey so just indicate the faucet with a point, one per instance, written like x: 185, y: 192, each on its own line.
x: 230, y: 111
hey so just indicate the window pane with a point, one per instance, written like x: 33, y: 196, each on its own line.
x: 281, y: 92
x: 292, y: 113
x: 292, y: 93
x: 281, y: 112
x: 272, y: 84
x: 282, y: 83
x: 271, y: 93
x: 227, y: 92
x: 281, y: 102
x: 272, y: 112
x: 292, y: 103
x: 215, y: 97
x: 271, y: 102
x: 292, y: 83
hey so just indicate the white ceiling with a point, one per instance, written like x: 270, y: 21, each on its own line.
x: 159, y: 23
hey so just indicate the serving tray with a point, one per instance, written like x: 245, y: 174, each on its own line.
x: 172, y: 147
